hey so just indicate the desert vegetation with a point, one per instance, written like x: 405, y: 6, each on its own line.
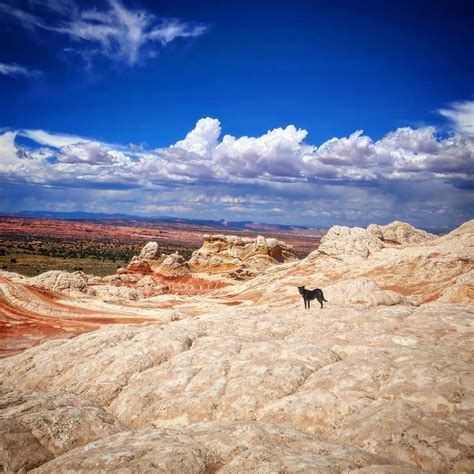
x: 32, y: 246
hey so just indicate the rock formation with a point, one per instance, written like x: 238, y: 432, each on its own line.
x: 349, y: 241
x: 240, y: 257
x: 149, y: 251
x: 36, y: 427
x: 362, y: 291
x: 400, y: 233
x: 241, y: 378
x: 56, y: 280
x: 227, y: 256
x: 222, y: 447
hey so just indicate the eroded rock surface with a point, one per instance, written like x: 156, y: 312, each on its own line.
x: 362, y: 291
x: 400, y: 233
x: 347, y: 241
x: 149, y: 251
x: 242, y: 378
x: 226, y: 447
x: 36, y: 427
x: 240, y: 257
x: 311, y: 370
x: 61, y: 281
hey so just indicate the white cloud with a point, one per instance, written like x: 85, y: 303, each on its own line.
x: 92, y: 153
x: 280, y: 155
x: 14, y: 70
x: 118, y: 32
x: 203, y: 138
x: 169, y: 30
x: 7, y: 149
x: 55, y: 140
x: 461, y: 114
x: 153, y: 208
x: 275, y: 173
x: 276, y: 153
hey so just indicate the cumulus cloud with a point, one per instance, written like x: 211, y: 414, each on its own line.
x: 280, y: 155
x: 116, y: 31
x: 202, y: 140
x: 15, y: 70
x: 276, y: 153
x: 461, y: 114
x: 92, y: 153
x: 345, y: 178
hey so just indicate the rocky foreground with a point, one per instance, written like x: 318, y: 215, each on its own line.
x: 214, y: 365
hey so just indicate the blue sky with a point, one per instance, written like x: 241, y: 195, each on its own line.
x: 317, y: 113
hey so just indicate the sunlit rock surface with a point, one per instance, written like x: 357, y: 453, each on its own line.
x: 55, y: 280
x: 221, y: 447
x: 242, y: 258
x: 400, y: 233
x: 36, y: 427
x: 347, y: 241
x: 240, y: 377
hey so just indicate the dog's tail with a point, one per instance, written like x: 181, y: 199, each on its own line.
x: 324, y: 299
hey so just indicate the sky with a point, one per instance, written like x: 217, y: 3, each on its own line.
x: 305, y: 112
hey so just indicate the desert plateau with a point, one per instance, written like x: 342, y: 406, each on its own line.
x: 236, y: 237
x: 210, y: 363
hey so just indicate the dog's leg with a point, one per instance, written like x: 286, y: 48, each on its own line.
x: 308, y: 304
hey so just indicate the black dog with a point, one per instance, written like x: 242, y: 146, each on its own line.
x: 310, y: 295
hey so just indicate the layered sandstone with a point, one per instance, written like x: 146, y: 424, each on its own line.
x: 242, y: 378
x: 225, y: 255
x: 242, y: 258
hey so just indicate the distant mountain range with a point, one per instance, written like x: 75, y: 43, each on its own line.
x: 116, y: 218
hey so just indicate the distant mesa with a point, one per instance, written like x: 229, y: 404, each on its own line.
x: 115, y: 218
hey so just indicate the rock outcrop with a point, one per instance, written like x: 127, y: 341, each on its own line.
x: 240, y: 257
x: 342, y: 242
x: 400, y: 233
x: 61, y: 281
x: 152, y: 261
x: 228, y: 256
x: 149, y: 251
x: 174, y: 265
x: 362, y: 291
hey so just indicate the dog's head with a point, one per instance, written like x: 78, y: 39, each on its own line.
x: 301, y: 289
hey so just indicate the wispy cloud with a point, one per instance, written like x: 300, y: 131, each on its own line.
x: 115, y: 31
x: 15, y: 70
x: 461, y: 114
